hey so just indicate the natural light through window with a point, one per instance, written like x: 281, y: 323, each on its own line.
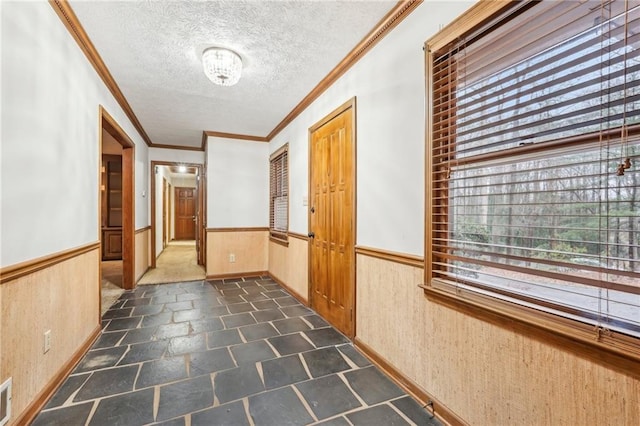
x: 535, y: 161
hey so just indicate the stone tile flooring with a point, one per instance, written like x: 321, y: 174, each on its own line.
x: 226, y: 352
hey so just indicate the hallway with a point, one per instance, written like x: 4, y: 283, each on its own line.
x: 177, y: 262
x: 111, y: 284
x: 232, y: 352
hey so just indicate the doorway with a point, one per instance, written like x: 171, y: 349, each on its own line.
x: 116, y: 210
x: 111, y: 221
x: 177, y: 223
x: 332, y: 217
x: 185, y: 213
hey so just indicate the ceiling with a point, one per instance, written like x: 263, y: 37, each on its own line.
x: 153, y: 51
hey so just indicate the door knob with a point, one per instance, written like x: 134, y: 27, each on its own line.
x: 311, y: 235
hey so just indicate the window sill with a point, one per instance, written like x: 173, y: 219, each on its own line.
x: 613, y: 349
x: 279, y: 239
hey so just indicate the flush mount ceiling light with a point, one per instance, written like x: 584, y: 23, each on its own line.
x: 222, y: 66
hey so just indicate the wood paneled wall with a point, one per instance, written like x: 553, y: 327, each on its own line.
x: 483, y: 373
x: 62, y: 298
x: 249, y: 245
x: 143, y: 252
x: 3, y: 375
x: 288, y: 265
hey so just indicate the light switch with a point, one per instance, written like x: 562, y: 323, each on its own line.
x: 305, y: 201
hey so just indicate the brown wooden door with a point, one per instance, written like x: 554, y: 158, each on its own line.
x: 331, y: 221
x: 185, y: 200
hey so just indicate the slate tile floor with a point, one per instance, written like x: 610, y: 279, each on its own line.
x: 226, y: 352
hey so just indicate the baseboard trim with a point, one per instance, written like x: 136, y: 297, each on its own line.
x: 291, y: 291
x: 33, y: 409
x: 19, y: 270
x: 441, y: 411
x: 237, y: 275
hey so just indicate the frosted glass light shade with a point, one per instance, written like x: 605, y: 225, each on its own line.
x: 222, y: 66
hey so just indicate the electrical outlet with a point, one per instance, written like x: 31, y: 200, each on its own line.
x: 47, y: 341
x: 5, y: 402
x: 232, y: 258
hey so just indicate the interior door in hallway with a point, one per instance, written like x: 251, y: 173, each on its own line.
x: 185, y: 199
x: 331, y: 219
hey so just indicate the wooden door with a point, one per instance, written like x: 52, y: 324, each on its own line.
x: 185, y: 199
x: 332, y: 254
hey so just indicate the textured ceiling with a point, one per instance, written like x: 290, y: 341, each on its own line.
x: 153, y: 51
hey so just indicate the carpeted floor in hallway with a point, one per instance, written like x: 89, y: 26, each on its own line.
x: 177, y: 262
x: 111, y: 283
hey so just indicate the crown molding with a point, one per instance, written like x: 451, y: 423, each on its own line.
x: 71, y: 22
x: 236, y: 136
x: 178, y: 147
x: 396, y: 15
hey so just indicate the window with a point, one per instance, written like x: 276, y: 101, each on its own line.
x: 279, y: 194
x: 533, y: 176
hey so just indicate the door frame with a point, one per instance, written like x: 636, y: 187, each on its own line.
x: 165, y: 212
x: 351, y: 103
x: 107, y: 123
x: 201, y: 182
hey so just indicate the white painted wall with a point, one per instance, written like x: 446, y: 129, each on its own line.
x: 237, y: 183
x: 389, y: 84
x: 142, y: 185
x: 184, y: 181
x: 176, y: 155
x: 49, y: 138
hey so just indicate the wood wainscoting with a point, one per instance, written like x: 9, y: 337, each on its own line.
x: 480, y: 372
x: 61, y: 293
x: 249, y: 248
x: 143, y: 251
x: 289, y: 266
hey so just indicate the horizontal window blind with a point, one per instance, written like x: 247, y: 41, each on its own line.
x: 535, y: 150
x: 279, y: 192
